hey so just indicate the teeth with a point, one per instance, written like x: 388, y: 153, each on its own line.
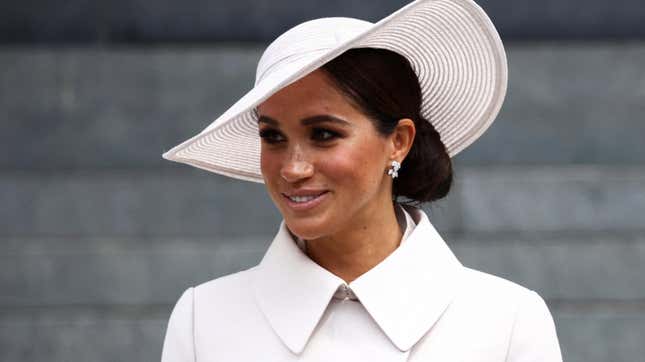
x: 302, y: 198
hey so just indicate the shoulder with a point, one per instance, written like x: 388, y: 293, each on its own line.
x: 202, y: 305
x: 230, y: 284
x: 521, y: 315
x: 227, y: 297
x: 222, y: 295
x: 482, y: 298
x: 221, y: 290
x: 492, y: 286
x: 496, y: 295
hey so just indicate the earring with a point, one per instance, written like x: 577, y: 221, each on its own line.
x: 394, y: 170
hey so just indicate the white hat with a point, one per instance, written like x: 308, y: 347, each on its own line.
x: 452, y: 46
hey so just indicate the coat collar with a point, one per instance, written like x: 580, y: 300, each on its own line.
x: 405, y: 294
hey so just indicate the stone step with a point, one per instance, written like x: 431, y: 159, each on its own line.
x: 82, y: 334
x: 598, y: 337
x: 76, y: 271
x: 191, y: 202
x: 70, y: 108
x: 95, y: 335
x: 143, y: 203
x: 551, y: 198
x: 203, y: 21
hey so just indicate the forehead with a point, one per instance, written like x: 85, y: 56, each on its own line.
x: 314, y: 93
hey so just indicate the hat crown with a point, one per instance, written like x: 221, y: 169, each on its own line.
x: 306, y: 41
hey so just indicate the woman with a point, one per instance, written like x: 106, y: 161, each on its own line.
x: 350, y: 125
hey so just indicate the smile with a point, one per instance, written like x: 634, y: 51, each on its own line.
x: 304, y: 202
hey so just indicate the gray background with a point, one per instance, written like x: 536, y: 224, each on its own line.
x: 99, y: 235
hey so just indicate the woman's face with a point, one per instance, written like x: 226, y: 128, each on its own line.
x: 322, y: 160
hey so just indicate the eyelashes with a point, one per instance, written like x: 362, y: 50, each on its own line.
x: 323, y: 134
x: 273, y: 136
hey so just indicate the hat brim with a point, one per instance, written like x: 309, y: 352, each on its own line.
x: 453, y: 47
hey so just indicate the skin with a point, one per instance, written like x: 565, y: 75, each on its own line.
x: 354, y: 227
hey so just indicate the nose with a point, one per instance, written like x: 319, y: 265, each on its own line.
x: 296, y: 167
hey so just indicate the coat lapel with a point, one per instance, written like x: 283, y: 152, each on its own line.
x: 409, y: 290
x: 292, y: 290
x: 405, y: 294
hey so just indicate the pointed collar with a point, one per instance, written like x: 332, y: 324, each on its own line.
x: 405, y: 293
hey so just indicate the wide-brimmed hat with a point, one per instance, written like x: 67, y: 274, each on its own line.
x: 452, y: 46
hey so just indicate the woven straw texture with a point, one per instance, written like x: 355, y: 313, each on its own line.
x: 452, y: 46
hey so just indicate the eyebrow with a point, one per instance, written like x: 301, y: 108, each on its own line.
x: 308, y: 121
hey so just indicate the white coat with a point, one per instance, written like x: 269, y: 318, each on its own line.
x: 418, y: 304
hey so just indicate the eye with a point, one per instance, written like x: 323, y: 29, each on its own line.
x: 271, y: 136
x: 322, y: 134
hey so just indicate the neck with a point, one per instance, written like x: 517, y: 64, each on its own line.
x: 359, y: 247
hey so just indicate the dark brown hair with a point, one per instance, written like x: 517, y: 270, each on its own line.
x: 383, y: 85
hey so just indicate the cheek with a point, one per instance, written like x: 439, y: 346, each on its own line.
x: 355, y: 166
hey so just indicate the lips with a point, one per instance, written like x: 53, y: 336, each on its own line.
x: 303, y: 200
x: 304, y: 196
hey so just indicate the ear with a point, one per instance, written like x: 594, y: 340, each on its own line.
x: 402, y: 138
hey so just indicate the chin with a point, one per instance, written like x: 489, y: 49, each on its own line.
x: 308, y: 228
x: 304, y: 230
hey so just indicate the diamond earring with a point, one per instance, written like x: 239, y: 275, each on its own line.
x: 394, y: 170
